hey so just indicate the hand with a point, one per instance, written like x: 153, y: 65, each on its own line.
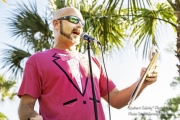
x: 37, y: 117
x: 151, y: 76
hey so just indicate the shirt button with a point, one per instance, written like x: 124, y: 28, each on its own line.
x: 84, y: 102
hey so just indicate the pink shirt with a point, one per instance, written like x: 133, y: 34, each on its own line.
x: 48, y: 78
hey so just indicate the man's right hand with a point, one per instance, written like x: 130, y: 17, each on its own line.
x: 37, y: 117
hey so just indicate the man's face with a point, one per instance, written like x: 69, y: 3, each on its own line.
x: 71, y: 30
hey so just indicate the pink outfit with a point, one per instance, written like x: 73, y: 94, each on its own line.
x: 48, y: 78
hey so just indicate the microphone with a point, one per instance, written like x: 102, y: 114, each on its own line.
x: 88, y: 38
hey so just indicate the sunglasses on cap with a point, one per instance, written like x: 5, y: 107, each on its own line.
x: 72, y: 19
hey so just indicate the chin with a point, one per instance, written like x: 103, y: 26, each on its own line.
x: 77, y: 42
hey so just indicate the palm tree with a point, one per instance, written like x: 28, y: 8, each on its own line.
x: 176, y: 8
x: 168, y: 13
x: 26, y: 25
x: 110, y: 22
x: 33, y: 30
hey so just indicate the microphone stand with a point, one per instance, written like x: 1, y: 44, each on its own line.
x: 92, y: 81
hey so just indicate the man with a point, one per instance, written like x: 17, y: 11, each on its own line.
x: 59, y: 79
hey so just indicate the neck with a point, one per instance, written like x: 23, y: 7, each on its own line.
x: 63, y: 43
x: 64, y: 47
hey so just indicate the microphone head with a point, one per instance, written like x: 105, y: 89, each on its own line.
x: 84, y: 36
x: 87, y: 38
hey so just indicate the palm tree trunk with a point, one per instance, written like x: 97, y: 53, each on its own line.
x: 177, y: 14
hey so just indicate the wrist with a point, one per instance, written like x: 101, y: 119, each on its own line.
x: 39, y: 117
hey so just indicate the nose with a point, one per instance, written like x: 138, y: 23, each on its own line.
x: 79, y: 27
x: 81, y: 23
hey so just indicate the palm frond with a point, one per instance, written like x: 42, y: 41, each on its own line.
x: 105, y: 26
x: 24, y: 22
x: 144, y: 25
x: 12, y: 60
x: 166, y: 14
x: 2, y: 116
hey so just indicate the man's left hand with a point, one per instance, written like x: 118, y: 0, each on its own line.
x: 151, y: 77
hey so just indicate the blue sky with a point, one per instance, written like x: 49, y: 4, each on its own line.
x: 123, y: 68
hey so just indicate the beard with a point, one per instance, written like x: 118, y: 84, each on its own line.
x: 64, y: 33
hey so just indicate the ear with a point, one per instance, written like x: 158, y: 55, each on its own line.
x: 56, y: 24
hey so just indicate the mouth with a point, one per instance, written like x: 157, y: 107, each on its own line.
x: 77, y: 32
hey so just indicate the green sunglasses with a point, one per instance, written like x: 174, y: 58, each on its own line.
x: 72, y: 19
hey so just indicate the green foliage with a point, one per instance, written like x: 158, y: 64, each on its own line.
x: 3, y: 117
x: 175, y: 82
x: 145, y: 22
x: 111, y: 22
x: 12, y: 61
x: 5, y: 88
x: 102, y: 21
x: 171, y: 109
x: 6, y: 91
x: 25, y: 23
x: 114, y: 21
x: 143, y: 117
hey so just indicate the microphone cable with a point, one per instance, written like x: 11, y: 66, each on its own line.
x: 107, y: 83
